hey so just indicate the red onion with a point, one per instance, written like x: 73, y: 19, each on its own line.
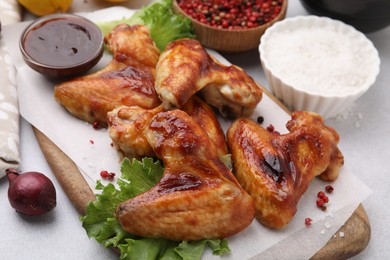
x: 30, y: 193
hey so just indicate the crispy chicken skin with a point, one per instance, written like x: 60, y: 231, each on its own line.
x: 204, y: 115
x: 127, y: 80
x: 127, y: 127
x: 197, y: 197
x: 184, y: 68
x: 277, y: 169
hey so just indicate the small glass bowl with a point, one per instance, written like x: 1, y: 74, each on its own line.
x: 61, y: 45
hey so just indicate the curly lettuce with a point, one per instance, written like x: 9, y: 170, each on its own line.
x: 100, y: 222
x: 164, y: 25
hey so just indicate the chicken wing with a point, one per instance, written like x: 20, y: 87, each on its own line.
x: 185, y: 68
x: 204, y: 115
x: 127, y: 80
x: 197, y: 197
x: 127, y: 127
x: 277, y: 169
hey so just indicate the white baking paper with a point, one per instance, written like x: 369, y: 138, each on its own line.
x: 91, y: 150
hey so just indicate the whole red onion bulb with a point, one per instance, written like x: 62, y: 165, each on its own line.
x: 30, y: 193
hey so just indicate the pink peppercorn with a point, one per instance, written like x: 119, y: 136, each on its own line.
x: 243, y: 14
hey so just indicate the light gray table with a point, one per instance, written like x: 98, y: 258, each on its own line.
x: 365, y: 136
x: 365, y: 143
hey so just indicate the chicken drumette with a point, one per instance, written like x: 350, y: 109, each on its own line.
x: 184, y: 68
x: 127, y: 127
x: 277, y: 169
x: 127, y: 80
x: 197, y: 197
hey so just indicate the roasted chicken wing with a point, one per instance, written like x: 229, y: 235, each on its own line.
x: 204, y: 115
x: 127, y: 80
x: 184, y: 68
x: 277, y: 169
x: 127, y: 127
x: 197, y: 197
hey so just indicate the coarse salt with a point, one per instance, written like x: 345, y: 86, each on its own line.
x: 318, y: 60
x: 327, y: 225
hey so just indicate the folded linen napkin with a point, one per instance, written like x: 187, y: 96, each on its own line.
x: 10, y: 13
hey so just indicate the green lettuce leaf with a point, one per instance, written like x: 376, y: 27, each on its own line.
x: 100, y: 222
x: 194, y: 249
x: 164, y: 25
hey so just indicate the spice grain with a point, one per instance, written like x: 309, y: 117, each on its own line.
x: 232, y: 15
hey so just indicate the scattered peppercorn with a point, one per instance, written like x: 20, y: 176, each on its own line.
x: 260, y: 119
x: 320, y: 194
x: 322, y: 199
x: 91, y: 141
x: 308, y: 221
x: 96, y: 125
x: 107, y: 175
x: 329, y: 189
x: 320, y: 202
x: 270, y: 128
x: 233, y: 14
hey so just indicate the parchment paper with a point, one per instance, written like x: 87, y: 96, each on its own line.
x: 91, y: 150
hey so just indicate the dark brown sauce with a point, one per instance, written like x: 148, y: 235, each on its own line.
x: 62, y: 42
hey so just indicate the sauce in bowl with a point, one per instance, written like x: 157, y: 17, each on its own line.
x: 62, y: 45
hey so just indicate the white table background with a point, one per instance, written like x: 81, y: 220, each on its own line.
x: 365, y: 143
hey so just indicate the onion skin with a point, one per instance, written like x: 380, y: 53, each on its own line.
x: 31, y: 193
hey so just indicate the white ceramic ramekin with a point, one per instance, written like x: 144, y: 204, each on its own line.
x: 305, y: 79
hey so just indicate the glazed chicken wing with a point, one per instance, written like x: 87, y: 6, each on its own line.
x: 197, y: 197
x: 127, y: 80
x: 204, y: 115
x: 127, y: 127
x: 277, y: 169
x: 185, y: 68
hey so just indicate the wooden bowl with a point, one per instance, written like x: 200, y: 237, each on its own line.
x: 225, y: 40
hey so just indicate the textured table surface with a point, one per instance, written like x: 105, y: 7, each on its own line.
x: 365, y: 143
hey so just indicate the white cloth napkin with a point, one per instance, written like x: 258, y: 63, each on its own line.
x: 10, y: 13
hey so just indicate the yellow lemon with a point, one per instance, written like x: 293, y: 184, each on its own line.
x: 45, y: 7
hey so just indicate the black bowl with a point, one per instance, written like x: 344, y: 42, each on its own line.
x: 365, y: 15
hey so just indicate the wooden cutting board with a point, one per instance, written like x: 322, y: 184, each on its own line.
x: 357, y: 229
